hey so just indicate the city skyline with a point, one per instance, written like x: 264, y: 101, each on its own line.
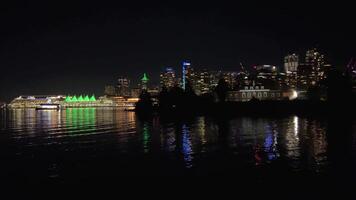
x: 262, y: 93
x: 55, y: 48
x: 156, y: 79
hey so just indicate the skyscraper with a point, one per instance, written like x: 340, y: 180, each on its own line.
x: 204, y: 82
x: 313, y: 70
x: 168, y: 78
x: 291, y: 63
x: 110, y: 90
x: 144, y: 82
x: 185, y: 71
x: 123, y: 87
x: 230, y: 78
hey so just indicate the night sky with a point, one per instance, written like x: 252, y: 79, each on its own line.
x: 55, y: 47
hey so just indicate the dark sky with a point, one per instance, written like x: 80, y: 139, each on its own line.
x: 58, y: 47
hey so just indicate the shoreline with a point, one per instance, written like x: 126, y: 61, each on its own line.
x: 257, y: 108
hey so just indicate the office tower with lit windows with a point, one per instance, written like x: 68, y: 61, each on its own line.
x: 186, y: 69
x: 230, y: 78
x: 291, y: 63
x: 168, y: 78
x: 204, y: 83
x: 123, y: 87
x: 313, y: 70
x: 144, y: 82
x: 110, y: 90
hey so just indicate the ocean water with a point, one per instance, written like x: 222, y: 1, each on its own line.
x: 75, y: 145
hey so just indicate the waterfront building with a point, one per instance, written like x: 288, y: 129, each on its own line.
x: 75, y: 101
x: 257, y: 92
x: 124, y: 102
x: 33, y: 101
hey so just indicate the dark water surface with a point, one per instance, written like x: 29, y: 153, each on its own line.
x: 77, y: 145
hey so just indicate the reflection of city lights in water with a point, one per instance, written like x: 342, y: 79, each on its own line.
x: 270, y: 144
x: 187, y: 147
x: 296, y: 127
x: 292, y: 143
x: 201, y: 132
x: 146, y: 138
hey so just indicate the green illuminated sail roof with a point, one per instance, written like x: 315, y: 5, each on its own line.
x: 86, y: 98
x: 92, y: 98
x: 80, y: 98
x: 68, y: 99
x: 145, y: 78
x: 74, y: 99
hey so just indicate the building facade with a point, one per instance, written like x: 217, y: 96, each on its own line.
x: 123, y: 87
x: 313, y: 70
x: 110, y: 90
x: 291, y: 64
x: 168, y: 78
x: 251, y: 92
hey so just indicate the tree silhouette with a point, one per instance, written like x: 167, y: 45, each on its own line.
x: 339, y: 87
x: 221, y: 90
x: 145, y: 102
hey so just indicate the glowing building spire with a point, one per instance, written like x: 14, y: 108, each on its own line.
x: 80, y: 98
x: 144, y: 81
x: 86, y: 98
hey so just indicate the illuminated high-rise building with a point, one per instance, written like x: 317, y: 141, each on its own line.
x: 313, y: 70
x: 110, y: 90
x: 230, y: 78
x: 123, y: 87
x: 144, y: 82
x: 291, y: 63
x: 188, y: 76
x: 203, y: 84
x: 168, y: 78
x: 185, y: 71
